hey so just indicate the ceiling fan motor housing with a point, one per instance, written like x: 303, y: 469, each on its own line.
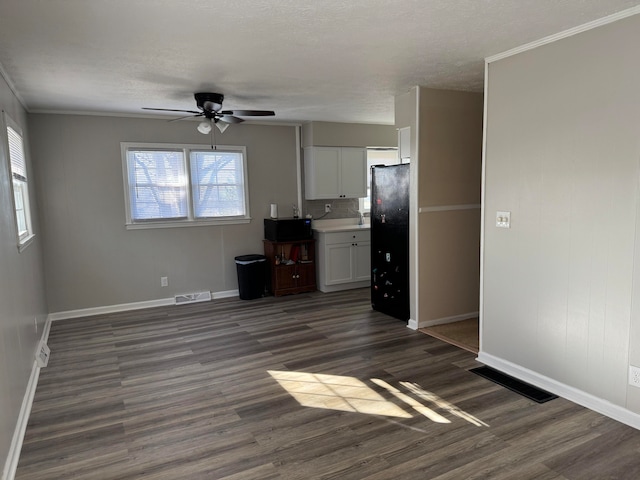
x: 209, y: 102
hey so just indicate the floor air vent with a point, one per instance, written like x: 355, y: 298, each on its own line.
x: 193, y: 298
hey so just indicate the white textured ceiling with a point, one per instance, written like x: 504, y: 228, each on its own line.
x: 322, y: 60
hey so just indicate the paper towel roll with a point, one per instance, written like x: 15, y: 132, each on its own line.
x: 274, y: 210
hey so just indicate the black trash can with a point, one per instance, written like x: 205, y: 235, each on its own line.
x: 251, y: 276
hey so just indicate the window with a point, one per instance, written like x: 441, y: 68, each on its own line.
x: 377, y: 156
x: 18, y: 164
x: 178, y: 185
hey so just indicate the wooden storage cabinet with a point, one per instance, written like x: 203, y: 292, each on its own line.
x: 297, y: 277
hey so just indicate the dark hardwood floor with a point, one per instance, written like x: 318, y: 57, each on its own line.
x: 311, y: 386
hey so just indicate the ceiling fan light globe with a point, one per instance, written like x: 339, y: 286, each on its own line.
x: 204, y: 127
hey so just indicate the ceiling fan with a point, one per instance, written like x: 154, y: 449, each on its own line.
x: 210, y: 107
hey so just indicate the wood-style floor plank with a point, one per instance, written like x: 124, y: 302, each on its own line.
x: 310, y: 386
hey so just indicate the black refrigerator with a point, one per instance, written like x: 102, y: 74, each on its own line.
x: 390, y: 240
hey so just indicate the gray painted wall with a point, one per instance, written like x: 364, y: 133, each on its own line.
x: 22, y: 295
x: 91, y: 260
x: 335, y: 134
x: 562, y: 154
x: 450, y: 139
x: 446, y: 159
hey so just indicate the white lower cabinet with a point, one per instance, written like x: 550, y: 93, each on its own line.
x: 344, y: 259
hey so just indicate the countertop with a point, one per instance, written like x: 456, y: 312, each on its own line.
x: 340, y: 228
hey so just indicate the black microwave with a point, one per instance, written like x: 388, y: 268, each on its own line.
x: 287, y: 229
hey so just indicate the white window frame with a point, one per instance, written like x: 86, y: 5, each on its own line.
x: 19, y: 186
x: 190, y: 220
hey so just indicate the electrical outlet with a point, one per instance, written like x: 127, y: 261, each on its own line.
x: 327, y: 208
x: 164, y: 281
x: 503, y: 219
x: 42, y: 355
x: 634, y: 376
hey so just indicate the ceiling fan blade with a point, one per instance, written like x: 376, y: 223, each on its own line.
x: 229, y: 119
x: 188, y: 116
x: 172, y: 110
x: 249, y: 113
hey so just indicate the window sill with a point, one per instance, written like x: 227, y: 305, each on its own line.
x: 190, y: 223
x: 22, y: 245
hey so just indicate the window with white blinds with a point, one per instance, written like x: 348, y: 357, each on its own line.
x: 218, y: 184
x: 178, y: 185
x: 18, y: 163
x: 16, y: 154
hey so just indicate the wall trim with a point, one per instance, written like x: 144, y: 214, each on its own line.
x: 12, y: 87
x: 15, y: 448
x: 412, y: 324
x: 451, y: 319
x: 11, y: 464
x: 580, y: 397
x: 225, y: 294
x: 566, y: 33
x: 447, y: 208
x: 123, y: 307
x: 151, y: 116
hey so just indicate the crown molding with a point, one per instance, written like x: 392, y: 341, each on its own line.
x: 565, y: 34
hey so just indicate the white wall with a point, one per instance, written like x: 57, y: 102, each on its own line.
x: 22, y: 295
x: 92, y: 261
x: 562, y: 154
x: 406, y: 115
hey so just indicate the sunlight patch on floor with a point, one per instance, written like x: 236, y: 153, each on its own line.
x: 336, y: 392
x: 413, y: 403
x: 349, y: 394
x: 418, y: 391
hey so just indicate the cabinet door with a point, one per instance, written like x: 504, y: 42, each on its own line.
x: 322, y: 172
x: 306, y: 275
x: 353, y: 173
x: 362, y: 260
x: 286, y: 277
x: 338, y: 263
x: 404, y: 144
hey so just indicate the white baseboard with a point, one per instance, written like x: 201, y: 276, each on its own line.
x: 412, y: 324
x: 11, y: 464
x: 452, y: 319
x: 344, y: 286
x: 580, y: 397
x: 123, y: 307
x: 225, y: 294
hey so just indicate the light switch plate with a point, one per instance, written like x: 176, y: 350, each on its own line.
x: 634, y: 376
x: 503, y: 219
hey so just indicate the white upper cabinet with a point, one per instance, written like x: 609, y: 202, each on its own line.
x: 335, y: 172
x: 404, y: 144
